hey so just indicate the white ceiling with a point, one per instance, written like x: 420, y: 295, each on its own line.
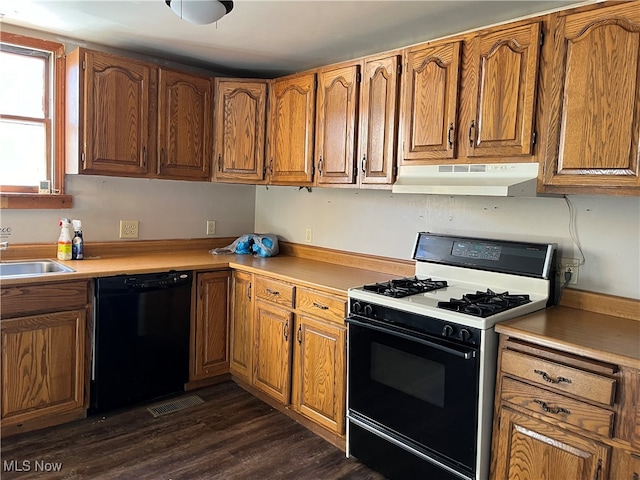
x: 263, y: 37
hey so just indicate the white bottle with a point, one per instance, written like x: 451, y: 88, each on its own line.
x: 64, y: 242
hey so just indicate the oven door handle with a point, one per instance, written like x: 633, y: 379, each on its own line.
x: 467, y: 354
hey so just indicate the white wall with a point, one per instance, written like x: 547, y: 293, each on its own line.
x: 382, y: 223
x: 166, y: 209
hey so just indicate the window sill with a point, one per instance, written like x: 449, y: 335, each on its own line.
x: 34, y: 201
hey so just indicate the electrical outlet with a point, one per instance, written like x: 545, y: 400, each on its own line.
x: 308, y: 235
x: 128, y: 228
x: 568, y: 265
x: 211, y: 227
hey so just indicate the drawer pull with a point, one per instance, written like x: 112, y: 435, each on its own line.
x: 598, y: 470
x: 272, y: 292
x: 321, y: 307
x: 547, y: 378
x: 552, y: 410
x: 285, y: 331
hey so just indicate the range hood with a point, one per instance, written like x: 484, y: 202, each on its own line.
x: 494, y: 180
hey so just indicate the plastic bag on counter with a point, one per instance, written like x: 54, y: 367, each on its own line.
x: 261, y: 245
x: 265, y: 245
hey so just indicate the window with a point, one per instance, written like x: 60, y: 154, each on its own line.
x: 31, y: 120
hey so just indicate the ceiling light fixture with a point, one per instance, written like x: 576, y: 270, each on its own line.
x: 200, y: 12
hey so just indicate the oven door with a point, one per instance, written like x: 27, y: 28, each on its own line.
x: 417, y: 387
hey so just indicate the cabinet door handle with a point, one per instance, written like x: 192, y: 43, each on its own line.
x: 249, y: 292
x: 472, y: 127
x: 286, y: 331
x: 552, y: 410
x: 271, y: 167
x: 219, y: 162
x: 549, y: 379
x: 364, y: 163
x: 598, y: 470
x: 320, y: 166
x: 321, y: 307
x: 162, y: 157
x: 272, y: 292
x: 449, y: 136
x: 299, y: 335
x: 144, y: 156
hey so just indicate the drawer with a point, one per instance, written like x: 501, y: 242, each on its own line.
x: 558, y: 407
x: 321, y: 305
x: 587, y: 385
x: 51, y: 297
x: 274, y: 291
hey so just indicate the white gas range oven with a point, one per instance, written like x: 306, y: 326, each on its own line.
x: 422, y: 354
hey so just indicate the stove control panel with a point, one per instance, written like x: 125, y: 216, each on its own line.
x: 412, y: 321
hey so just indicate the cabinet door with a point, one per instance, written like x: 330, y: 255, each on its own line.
x: 185, y: 124
x: 336, y: 124
x: 625, y: 465
x: 379, y: 121
x: 115, y: 115
x: 43, y: 370
x: 320, y: 372
x: 530, y: 449
x: 594, y: 126
x: 209, y: 339
x: 241, y: 338
x: 272, y: 351
x: 430, y: 103
x: 499, y: 89
x: 292, y: 113
x: 241, y: 119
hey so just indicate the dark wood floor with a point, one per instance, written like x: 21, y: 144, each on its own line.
x: 233, y: 435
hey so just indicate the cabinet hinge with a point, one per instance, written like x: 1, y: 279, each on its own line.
x: 313, y: 168
x: 399, y: 68
x: 541, y: 38
x: 394, y: 171
x: 534, y: 137
x: 358, y: 77
x: 355, y: 171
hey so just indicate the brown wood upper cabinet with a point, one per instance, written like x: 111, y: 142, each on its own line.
x: 378, y: 127
x: 292, y: 123
x: 336, y: 124
x: 430, y: 102
x: 240, y: 119
x: 471, y: 99
x: 184, y: 125
x: 593, y: 126
x: 130, y: 118
x: 109, y: 127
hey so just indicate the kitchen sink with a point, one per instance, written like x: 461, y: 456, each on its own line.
x: 31, y: 268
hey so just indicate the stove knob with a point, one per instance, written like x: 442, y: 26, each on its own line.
x: 368, y: 310
x: 356, y: 307
x: 464, y: 335
x: 447, y: 331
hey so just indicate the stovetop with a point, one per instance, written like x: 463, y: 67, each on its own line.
x: 469, y: 281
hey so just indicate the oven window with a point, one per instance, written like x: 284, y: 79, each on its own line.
x: 410, y: 374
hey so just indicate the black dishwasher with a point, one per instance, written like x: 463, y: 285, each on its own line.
x: 141, y: 338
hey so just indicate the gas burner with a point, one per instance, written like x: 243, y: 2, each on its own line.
x: 484, y: 304
x: 403, y: 287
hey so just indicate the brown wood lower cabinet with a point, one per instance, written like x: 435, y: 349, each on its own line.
x: 272, y: 351
x: 210, y: 348
x: 319, y: 369
x: 241, y: 326
x: 43, y: 342
x: 294, y: 338
x: 560, y: 415
x: 528, y: 448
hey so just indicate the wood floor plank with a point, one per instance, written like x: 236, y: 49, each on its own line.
x: 232, y: 436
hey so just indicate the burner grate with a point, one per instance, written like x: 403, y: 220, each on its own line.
x: 404, y: 287
x: 484, y: 304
